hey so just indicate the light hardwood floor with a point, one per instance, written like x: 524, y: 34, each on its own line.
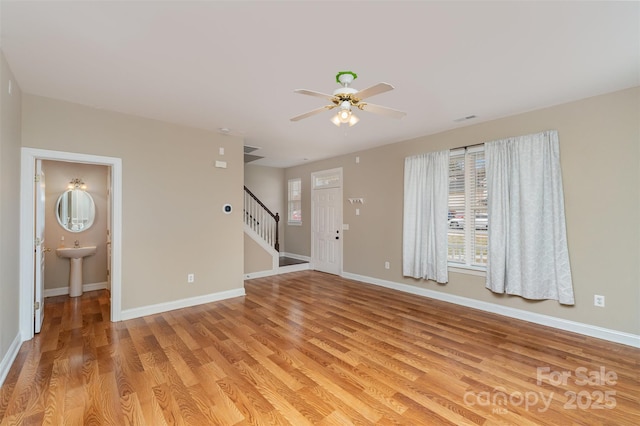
x: 310, y: 348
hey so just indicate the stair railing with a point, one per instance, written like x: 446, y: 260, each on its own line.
x: 259, y: 218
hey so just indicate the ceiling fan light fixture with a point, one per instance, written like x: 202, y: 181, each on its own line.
x: 344, y: 115
x: 346, y: 97
x: 351, y: 119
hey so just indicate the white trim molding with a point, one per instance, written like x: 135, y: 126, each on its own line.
x: 296, y: 256
x: 282, y: 269
x: 182, y: 303
x: 61, y: 291
x: 559, y: 323
x: 10, y: 356
x: 279, y: 270
x: 27, y: 231
x: 260, y: 274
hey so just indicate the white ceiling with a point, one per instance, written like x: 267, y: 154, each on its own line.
x: 223, y: 64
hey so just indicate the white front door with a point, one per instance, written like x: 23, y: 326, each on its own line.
x: 326, y: 230
x: 40, y: 249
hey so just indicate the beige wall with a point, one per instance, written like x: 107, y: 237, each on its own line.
x: 10, y: 134
x: 172, y: 196
x: 94, y: 268
x: 599, y: 146
x: 256, y: 259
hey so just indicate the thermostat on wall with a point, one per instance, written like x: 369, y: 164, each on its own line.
x: 227, y: 208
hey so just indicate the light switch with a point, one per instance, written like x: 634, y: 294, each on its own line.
x: 221, y: 164
x: 221, y: 150
x: 357, y: 212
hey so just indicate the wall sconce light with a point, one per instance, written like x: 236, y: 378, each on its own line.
x: 77, y: 183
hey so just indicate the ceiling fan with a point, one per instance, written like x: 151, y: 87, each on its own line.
x: 345, y: 98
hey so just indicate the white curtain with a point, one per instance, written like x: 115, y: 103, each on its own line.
x: 426, y: 195
x: 528, y: 253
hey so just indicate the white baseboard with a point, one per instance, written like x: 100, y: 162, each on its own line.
x: 61, y: 291
x: 559, y: 323
x: 296, y: 256
x: 294, y: 268
x: 182, y: 303
x: 260, y: 274
x: 7, y: 360
x: 279, y: 270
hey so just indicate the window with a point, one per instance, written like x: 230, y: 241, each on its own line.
x: 294, y: 199
x: 467, y: 220
x: 327, y: 179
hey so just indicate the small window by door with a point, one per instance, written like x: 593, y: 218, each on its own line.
x: 294, y: 200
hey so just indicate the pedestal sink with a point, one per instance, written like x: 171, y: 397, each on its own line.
x: 75, y: 256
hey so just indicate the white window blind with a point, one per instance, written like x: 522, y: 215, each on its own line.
x: 294, y: 200
x: 468, y: 222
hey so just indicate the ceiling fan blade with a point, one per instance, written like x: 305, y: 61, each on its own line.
x: 316, y: 94
x: 373, y: 90
x: 314, y: 112
x: 377, y: 109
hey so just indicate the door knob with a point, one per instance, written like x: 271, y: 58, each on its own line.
x: 337, y: 238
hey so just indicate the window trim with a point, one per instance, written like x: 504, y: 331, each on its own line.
x: 478, y: 271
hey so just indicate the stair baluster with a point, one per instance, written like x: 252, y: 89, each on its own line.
x: 259, y: 218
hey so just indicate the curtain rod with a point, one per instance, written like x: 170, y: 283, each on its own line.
x: 452, y: 149
x: 468, y: 146
x: 545, y: 132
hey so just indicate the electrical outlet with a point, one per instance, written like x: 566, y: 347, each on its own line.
x: 598, y: 300
x: 191, y: 278
x: 386, y: 265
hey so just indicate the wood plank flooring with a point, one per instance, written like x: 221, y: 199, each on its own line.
x: 308, y: 348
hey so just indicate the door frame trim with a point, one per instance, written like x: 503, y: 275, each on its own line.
x: 341, y: 187
x: 39, y: 260
x: 27, y: 229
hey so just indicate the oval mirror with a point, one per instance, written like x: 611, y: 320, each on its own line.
x: 75, y: 210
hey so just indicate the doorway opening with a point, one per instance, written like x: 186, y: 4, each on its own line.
x: 29, y: 159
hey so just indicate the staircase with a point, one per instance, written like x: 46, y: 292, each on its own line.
x: 262, y: 225
x: 261, y: 220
